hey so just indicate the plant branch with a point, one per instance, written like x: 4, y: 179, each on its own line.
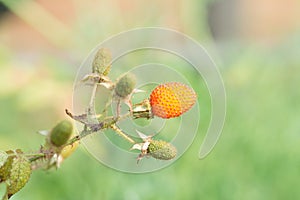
x: 122, y: 134
x: 82, y: 134
x: 92, y: 100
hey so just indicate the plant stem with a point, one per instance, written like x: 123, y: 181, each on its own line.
x: 82, y: 134
x: 122, y: 134
x: 100, y: 126
x: 34, y: 154
x: 36, y: 158
x: 92, y: 100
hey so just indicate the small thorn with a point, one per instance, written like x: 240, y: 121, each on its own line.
x: 68, y: 113
x: 129, y: 104
x: 107, y: 85
x: 104, y: 79
x: 136, y: 147
x: 43, y: 132
x: 138, y: 91
x: 85, y: 78
x: 139, y: 158
x: 142, y: 135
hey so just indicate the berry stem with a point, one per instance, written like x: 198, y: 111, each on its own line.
x: 122, y: 134
x: 34, y: 154
x: 37, y: 157
x: 92, y: 100
x: 82, y: 134
x: 85, y: 132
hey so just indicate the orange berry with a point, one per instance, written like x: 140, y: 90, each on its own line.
x: 171, y: 99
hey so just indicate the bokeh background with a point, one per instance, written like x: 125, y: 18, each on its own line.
x: 255, y: 43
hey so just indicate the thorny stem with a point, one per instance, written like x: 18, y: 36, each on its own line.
x: 111, y: 124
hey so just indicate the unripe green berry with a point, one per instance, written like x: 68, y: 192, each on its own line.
x: 102, y: 62
x: 19, y: 174
x: 125, y: 85
x: 61, y: 133
x: 162, y: 150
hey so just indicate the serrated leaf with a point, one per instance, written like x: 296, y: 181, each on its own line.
x: 3, y: 158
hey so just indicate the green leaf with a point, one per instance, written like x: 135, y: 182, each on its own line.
x: 3, y: 191
x: 3, y: 158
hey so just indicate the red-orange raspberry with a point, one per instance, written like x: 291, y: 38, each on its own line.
x: 172, y: 99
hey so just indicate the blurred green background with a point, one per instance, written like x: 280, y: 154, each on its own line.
x: 255, y: 44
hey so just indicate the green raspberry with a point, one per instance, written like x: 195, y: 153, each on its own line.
x: 125, y: 85
x: 162, y: 150
x: 61, y: 133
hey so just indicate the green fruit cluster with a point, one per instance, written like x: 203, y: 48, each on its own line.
x: 162, y: 150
